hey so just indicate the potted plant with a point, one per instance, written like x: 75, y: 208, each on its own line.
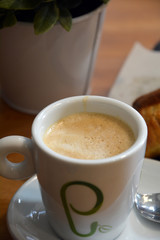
x: 47, y: 49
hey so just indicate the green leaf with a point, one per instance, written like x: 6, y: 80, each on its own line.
x: 65, y: 19
x: 7, y: 18
x: 6, y: 3
x: 105, y: 1
x: 19, y: 4
x: 10, y: 19
x: 45, y: 18
x: 69, y: 3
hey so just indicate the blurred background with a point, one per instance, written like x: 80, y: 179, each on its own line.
x: 126, y: 22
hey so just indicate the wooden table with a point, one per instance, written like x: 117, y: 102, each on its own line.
x: 126, y: 22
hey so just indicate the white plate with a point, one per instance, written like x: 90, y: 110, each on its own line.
x: 27, y: 218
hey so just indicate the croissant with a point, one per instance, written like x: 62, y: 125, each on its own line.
x: 148, y: 106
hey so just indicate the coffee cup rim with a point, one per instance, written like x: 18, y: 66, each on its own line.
x: 140, y: 140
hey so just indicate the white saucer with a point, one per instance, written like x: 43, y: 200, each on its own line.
x: 27, y: 219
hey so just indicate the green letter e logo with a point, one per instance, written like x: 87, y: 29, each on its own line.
x: 97, y: 205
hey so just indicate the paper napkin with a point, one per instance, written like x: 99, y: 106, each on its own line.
x: 140, y: 74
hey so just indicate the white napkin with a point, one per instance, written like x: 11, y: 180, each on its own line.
x: 140, y: 74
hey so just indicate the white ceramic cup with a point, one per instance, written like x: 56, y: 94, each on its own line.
x: 84, y: 199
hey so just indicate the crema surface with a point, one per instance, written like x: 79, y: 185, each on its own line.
x: 89, y: 136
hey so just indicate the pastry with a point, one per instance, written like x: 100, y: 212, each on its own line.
x: 148, y: 106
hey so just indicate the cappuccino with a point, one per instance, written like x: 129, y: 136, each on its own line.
x: 89, y: 136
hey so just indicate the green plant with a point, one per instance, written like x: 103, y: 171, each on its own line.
x: 43, y: 13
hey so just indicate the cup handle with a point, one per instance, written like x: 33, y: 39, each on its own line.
x: 16, y: 144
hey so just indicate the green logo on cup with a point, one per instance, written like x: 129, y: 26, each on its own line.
x: 94, y: 226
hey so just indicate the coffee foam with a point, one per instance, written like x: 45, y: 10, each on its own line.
x: 89, y: 136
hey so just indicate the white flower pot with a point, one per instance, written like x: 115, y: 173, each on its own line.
x: 38, y: 70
